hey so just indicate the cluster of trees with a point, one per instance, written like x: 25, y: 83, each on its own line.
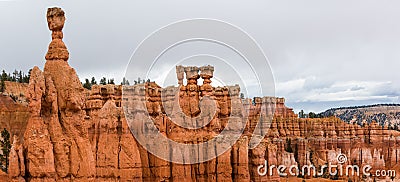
x: 88, y: 84
x: 16, y: 76
x: 104, y: 81
x: 5, y: 146
x: 314, y: 115
x: 310, y: 115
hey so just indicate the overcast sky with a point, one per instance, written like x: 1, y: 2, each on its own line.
x: 323, y: 54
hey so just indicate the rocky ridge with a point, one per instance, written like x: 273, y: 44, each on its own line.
x: 385, y: 114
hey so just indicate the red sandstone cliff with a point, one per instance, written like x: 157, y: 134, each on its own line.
x: 14, y: 112
x: 13, y: 116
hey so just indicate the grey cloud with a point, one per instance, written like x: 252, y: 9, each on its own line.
x: 355, y: 88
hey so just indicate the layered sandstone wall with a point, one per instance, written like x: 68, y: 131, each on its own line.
x: 14, y: 112
x: 17, y: 90
x: 13, y: 116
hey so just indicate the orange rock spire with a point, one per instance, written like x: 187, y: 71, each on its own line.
x: 57, y: 49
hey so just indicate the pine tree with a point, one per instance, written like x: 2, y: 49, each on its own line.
x: 301, y: 114
x: 87, y: 84
x: 20, y: 80
x: 103, y: 81
x: 3, y: 79
x: 124, y: 81
x: 15, y: 76
x: 93, y: 81
x: 5, y: 146
x: 29, y: 76
x: 4, y: 76
x: 2, y: 86
x: 312, y: 115
x: 111, y: 81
